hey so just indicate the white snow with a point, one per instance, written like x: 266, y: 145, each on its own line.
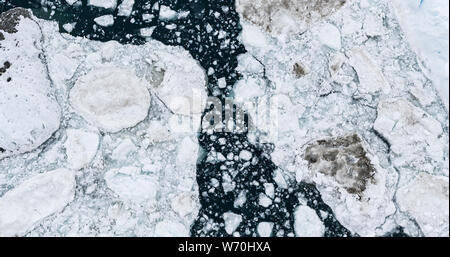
x: 165, y: 13
x: 307, y: 223
x: 112, y: 98
x: 36, y: 198
x: 232, y: 221
x: 29, y: 113
x: 81, y: 147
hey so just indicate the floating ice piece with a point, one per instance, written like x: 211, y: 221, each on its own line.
x: 307, y: 223
x: 426, y: 200
x: 265, y: 229
x: 111, y: 98
x: 424, y: 22
x: 29, y: 113
x: 107, y: 4
x: 81, y: 147
x: 35, y: 199
x: 232, y: 221
x: 105, y: 20
x: 125, y: 8
x: 132, y: 186
x: 165, y: 13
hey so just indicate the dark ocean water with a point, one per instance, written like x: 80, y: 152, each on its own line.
x: 221, y: 55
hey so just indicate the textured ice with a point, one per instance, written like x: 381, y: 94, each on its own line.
x: 111, y: 98
x: 29, y: 112
x: 307, y: 223
x: 426, y: 25
x: 105, y: 20
x: 371, y: 85
x: 107, y: 4
x: 286, y: 17
x: 36, y: 198
x: 425, y: 198
x: 134, y: 162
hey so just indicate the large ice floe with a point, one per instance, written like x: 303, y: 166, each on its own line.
x: 351, y: 109
x: 96, y: 138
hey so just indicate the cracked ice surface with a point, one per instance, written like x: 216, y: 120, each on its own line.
x: 351, y: 72
x: 123, y: 165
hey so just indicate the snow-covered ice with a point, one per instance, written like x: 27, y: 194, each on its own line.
x: 349, y: 73
x: 426, y: 25
x: 307, y: 223
x: 111, y: 98
x: 135, y: 163
x: 36, y: 198
x: 29, y: 112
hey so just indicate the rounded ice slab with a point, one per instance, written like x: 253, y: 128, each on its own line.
x: 29, y: 115
x: 111, y: 98
x: 35, y: 199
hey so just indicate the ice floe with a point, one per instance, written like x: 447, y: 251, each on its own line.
x: 29, y: 112
x: 36, y: 198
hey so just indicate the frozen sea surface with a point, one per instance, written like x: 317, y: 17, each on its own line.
x: 360, y: 122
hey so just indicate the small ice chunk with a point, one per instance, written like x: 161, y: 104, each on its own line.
x: 112, y: 98
x: 81, y: 147
x: 264, y: 201
x: 132, y: 186
x: 265, y: 229
x: 307, y: 223
x: 107, y: 4
x: 105, y: 20
x: 165, y: 13
x: 125, y: 8
x: 245, y: 155
x: 38, y: 197
x: 232, y: 221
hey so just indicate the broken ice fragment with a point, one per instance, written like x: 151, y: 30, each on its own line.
x: 81, y: 147
x: 111, y: 98
x: 232, y: 221
x: 38, y: 197
x: 307, y: 223
x: 29, y: 113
